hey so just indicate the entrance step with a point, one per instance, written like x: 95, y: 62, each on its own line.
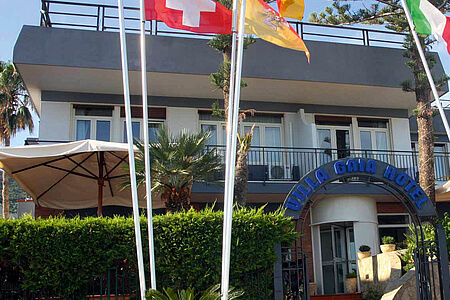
x: 356, y: 296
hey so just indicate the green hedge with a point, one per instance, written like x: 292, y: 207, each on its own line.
x: 60, y: 255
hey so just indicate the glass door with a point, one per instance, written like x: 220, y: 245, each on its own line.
x: 338, y: 256
x: 374, y: 144
x: 334, y: 143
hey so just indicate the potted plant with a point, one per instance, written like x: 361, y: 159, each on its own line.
x: 312, y: 288
x: 351, y: 282
x: 388, y: 244
x: 364, y: 252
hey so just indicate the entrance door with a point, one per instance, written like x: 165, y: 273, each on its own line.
x: 334, y: 143
x: 338, y: 256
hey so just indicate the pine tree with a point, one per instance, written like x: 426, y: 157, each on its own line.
x: 390, y: 14
x: 221, y: 79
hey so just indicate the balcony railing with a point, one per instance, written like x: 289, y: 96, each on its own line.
x: 101, y: 17
x: 291, y: 164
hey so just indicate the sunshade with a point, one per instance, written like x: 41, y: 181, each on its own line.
x: 443, y: 193
x: 69, y: 176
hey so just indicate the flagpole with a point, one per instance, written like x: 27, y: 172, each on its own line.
x: 427, y: 69
x: 148, y: 183
x: 233, y: 114
x: 226, y: 241
x: 134, y: 194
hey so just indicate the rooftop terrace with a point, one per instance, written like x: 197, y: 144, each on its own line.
x: 101, y: 17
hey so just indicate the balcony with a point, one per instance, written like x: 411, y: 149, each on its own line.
x: 103, y: 17
x: 278, y: 164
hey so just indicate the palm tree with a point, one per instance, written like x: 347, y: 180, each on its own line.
x: 176, y: 162
x: 15, y: 115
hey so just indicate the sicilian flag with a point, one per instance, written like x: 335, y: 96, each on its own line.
x: 264, y: 21
x: 201, y: 16
x: 291, y: 8
x: 429, y: 20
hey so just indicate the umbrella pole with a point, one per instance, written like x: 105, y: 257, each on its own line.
x: 101, y: 182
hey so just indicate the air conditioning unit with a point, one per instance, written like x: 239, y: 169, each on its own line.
x: 279, y: 172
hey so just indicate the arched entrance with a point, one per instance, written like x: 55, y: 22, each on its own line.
x: 340, y: 220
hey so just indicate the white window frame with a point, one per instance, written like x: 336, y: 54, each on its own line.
x: 333, y: 129
x: 355, y: 135
x: 394, y: 225
x: 220, y: 131
x: 262, y: 130
x: 93, y: 120
x: 141, y: 129
x: 373, y: 132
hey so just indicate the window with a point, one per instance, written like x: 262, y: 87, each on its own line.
x: 138, y: 133
x: 153, y: 129
x: 267, y: 130
x: 103, y: 131
x: 374, y: 138
x: 395, y: 225
x: 93, y: 122
x: 373, y: 134
x: 135, y: 128
x: 83, y: 130
x: 334, y: 142
x: 212, y: 128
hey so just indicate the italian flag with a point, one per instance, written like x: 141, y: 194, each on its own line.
x: 429, y: 20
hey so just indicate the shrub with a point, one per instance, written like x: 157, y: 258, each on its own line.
x: 351, y: 275
x: 429, y: 235
x: 373, y: 293
x: 387, y: 240
x: 212, y: 293
x: 60, y: 255
x: 364, y: 248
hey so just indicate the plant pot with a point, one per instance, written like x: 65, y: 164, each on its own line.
x: 362, y: 255
x: 312, y: 288
x: 387, y: 248
x: 351, y: 285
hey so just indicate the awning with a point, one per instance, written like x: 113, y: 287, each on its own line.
x: 75, y: 175
x: 443, y: 193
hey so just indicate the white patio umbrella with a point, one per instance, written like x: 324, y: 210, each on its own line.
x: 75, y: 175
x: 443, y: 192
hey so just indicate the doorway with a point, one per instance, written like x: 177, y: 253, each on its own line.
x: 334, y: 143
x: 338, y: 256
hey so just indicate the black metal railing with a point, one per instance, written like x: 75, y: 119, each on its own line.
x: 101, y: 17
x: 291, y: 164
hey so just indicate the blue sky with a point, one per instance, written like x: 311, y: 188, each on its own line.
x: 15, y: 14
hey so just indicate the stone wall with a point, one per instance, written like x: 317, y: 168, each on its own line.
x: 379, y: 271
x: 383, y: 273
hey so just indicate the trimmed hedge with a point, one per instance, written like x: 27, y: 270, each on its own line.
x: 61, y: 255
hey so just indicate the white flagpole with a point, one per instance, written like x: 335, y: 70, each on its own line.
x: 134, y: 194
x: 427, y: 69
x: 225, y: 246
x: 233, y: 115
x: 148, y: 183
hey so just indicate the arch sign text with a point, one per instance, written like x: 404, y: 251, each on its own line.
x: 367, y: 170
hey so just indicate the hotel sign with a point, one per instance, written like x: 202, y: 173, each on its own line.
x: 364, y: 170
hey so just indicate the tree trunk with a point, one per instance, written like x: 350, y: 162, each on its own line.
x: 177, y: 200
x: 5, y: 187
x: 226, y: 83
x: 425, y: 127
x: 426, y: 142
x: 240, y: 182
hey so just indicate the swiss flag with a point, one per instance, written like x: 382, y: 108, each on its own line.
x: 201, y: 16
